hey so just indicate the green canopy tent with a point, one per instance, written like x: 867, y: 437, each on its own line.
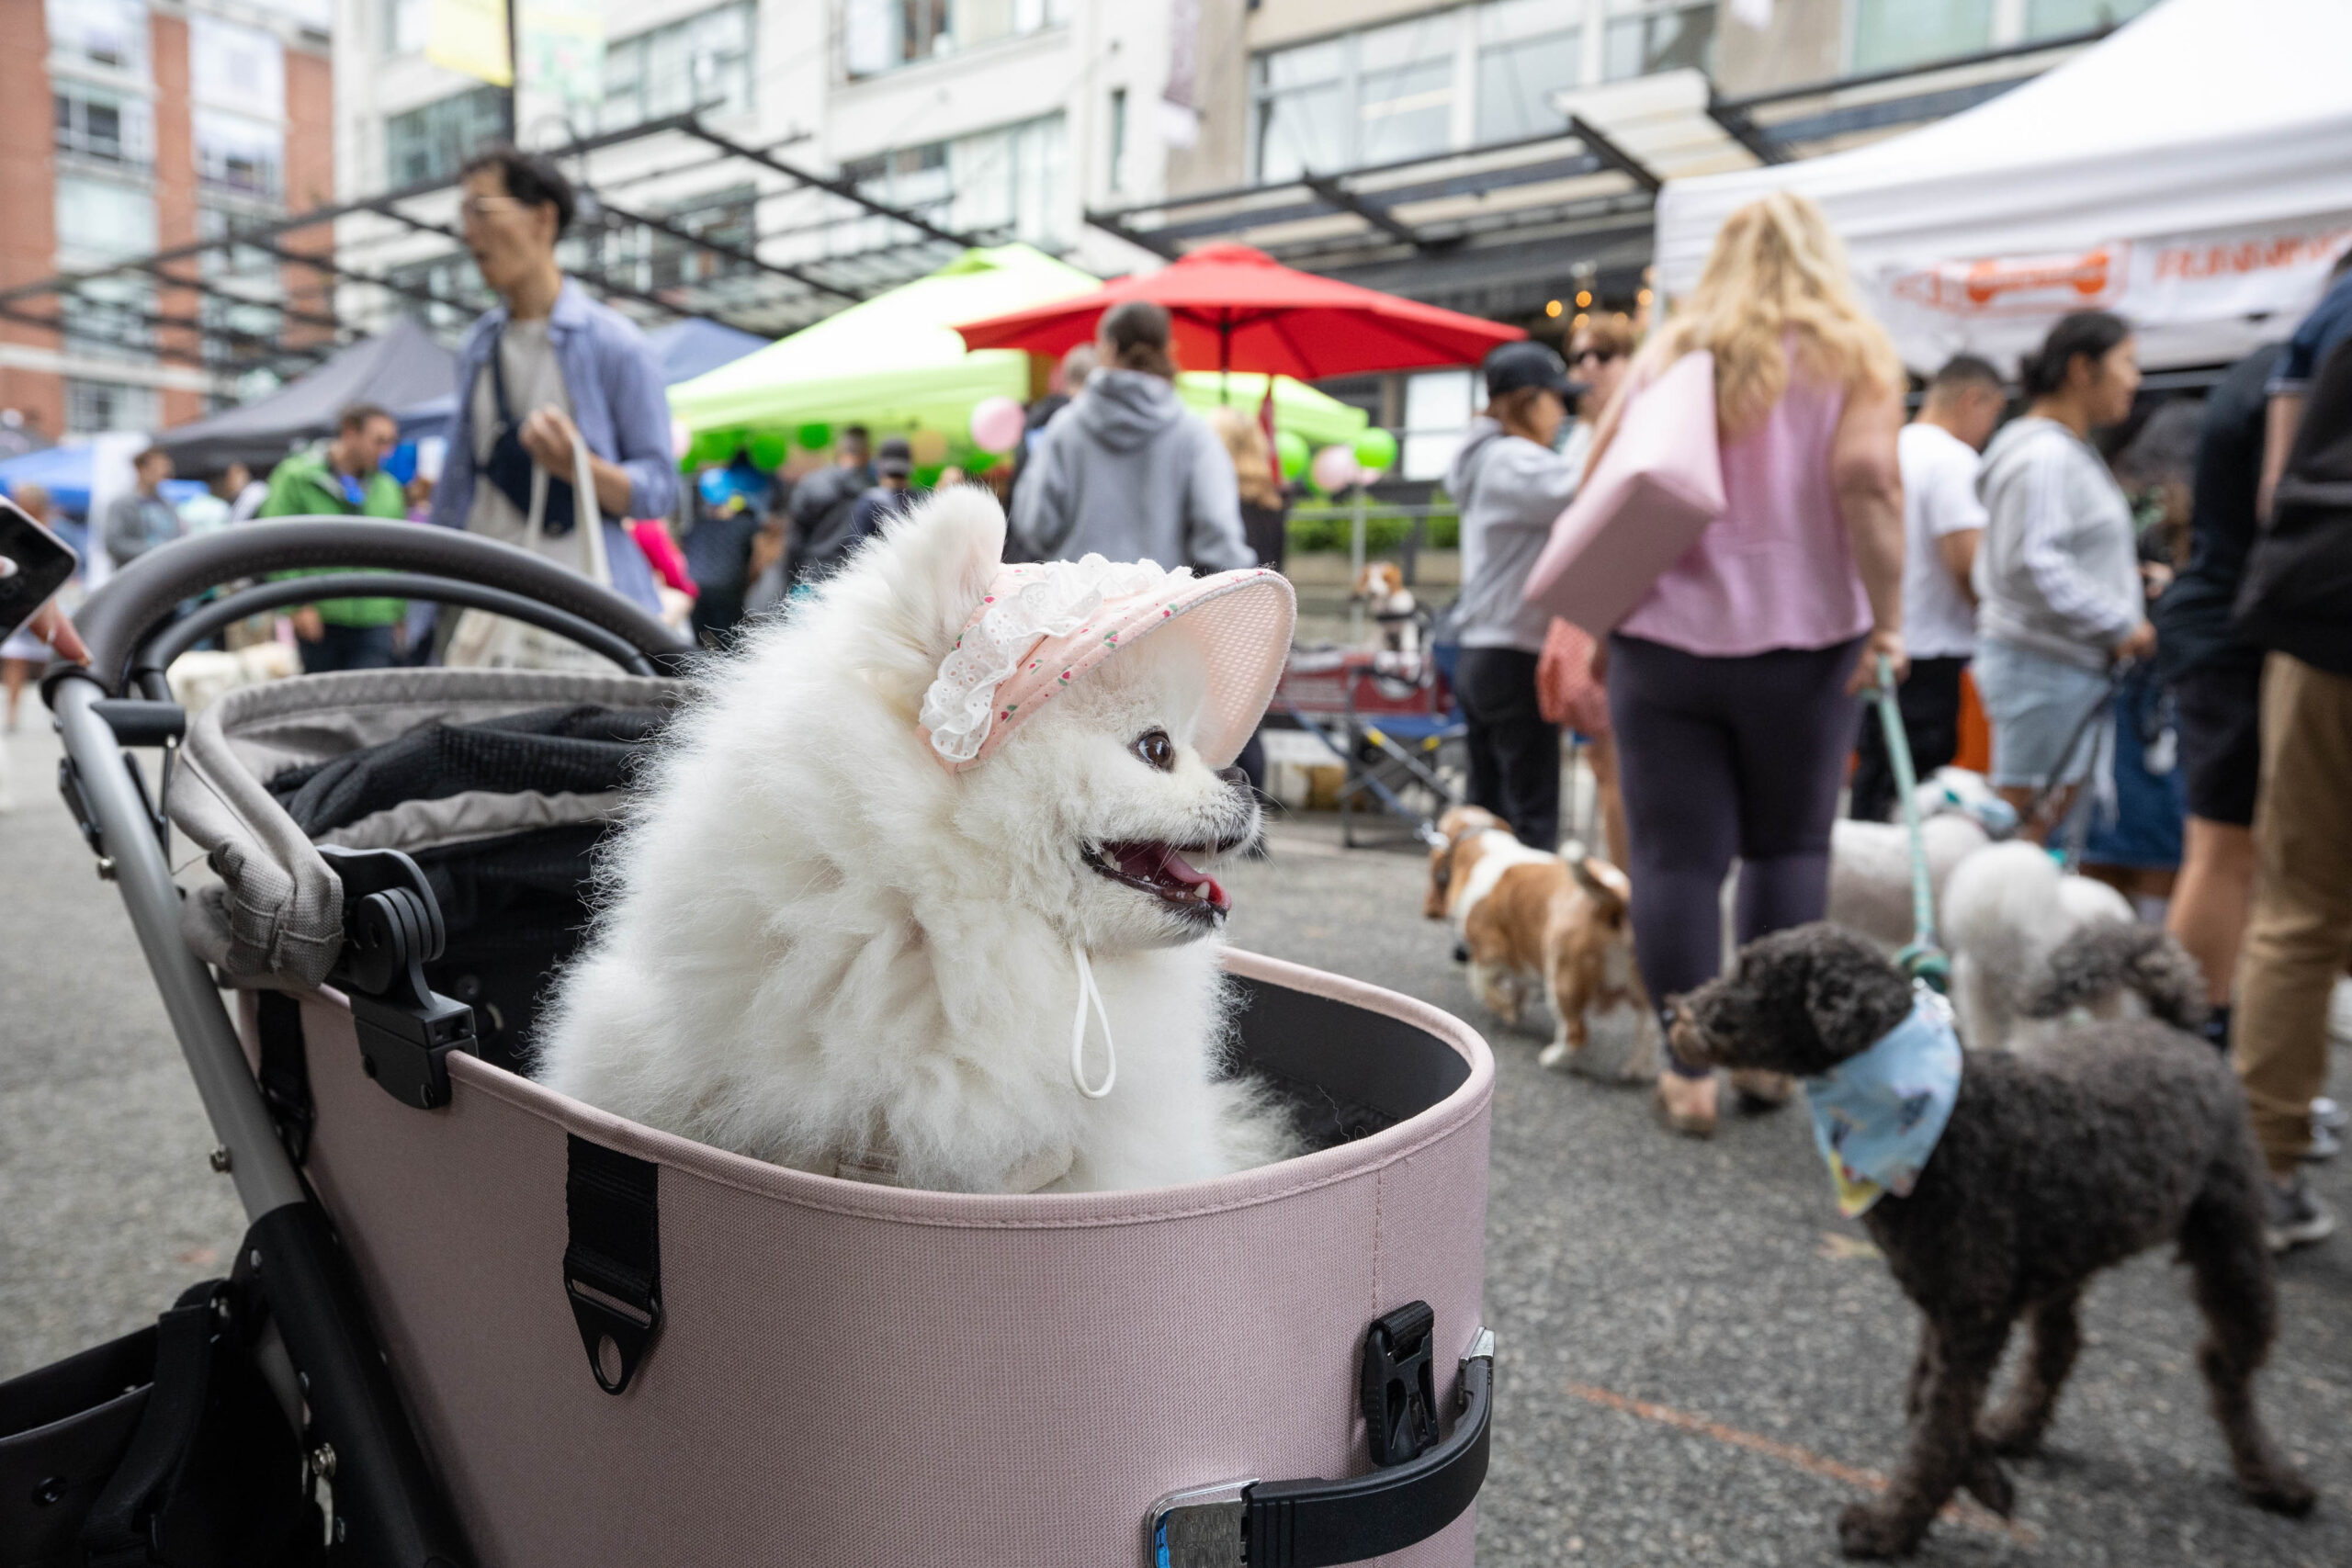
x: 895, y: 364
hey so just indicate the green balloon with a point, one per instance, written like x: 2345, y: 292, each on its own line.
x: 1376, y: 448
x: 769, y: 449
x: 815, y: 436
x: 1292, y: 450
x: 712, y: 446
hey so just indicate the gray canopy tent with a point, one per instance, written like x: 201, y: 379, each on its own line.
x: 400, y: 370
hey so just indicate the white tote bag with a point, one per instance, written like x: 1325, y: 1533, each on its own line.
x: 487, y: 641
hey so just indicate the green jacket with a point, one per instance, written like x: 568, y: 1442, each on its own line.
x: 304, y: 484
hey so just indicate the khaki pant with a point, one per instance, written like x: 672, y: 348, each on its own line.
x: 2301, y: 930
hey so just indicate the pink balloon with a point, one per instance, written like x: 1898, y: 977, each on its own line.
x: 997, y: 423
x: 1335, y: 469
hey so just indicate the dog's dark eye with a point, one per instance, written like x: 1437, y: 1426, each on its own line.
x: 1154, y: 747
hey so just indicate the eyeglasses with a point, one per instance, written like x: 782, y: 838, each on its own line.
x: 478, y: 208
x: 1598, y: 355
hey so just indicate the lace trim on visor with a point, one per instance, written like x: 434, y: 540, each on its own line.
x: 1027, y: 604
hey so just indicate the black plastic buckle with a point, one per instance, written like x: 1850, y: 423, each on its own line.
x: 612, y: 1261
x: 1400, y: 1384
x: 392, y: 929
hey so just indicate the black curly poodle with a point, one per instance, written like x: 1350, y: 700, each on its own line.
x: 2111, y: 1138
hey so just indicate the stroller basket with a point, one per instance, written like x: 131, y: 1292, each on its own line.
x: 603, y: 1344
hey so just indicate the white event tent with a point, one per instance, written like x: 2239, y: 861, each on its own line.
x: 2192, y: 173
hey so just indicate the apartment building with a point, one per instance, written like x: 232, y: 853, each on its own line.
x: 988, y: 120
x: 134, y: 127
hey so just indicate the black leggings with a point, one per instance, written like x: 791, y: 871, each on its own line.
x: 1717, y: 758
x: 1514, y: 755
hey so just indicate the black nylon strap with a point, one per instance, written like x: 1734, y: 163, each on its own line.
x: 612, y: 1267
x: 120, y: 1531
x: 286, y: 1072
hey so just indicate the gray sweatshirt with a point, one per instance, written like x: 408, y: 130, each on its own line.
x: 1128, y: 472
x: 2059, y: 570
x: 1509, y: 490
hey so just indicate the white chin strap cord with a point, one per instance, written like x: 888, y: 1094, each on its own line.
x: 1088, y: 992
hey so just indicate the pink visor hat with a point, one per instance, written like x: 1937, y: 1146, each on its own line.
x: 1042, y: 626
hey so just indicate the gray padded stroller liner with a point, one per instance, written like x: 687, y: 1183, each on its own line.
x: 276, y: 912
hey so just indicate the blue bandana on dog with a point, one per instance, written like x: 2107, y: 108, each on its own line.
x: 1876, y: 1116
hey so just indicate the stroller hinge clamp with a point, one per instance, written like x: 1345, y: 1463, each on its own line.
x: 392, y: 929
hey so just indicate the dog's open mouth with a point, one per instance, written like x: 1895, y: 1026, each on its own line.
x: 1161, y: 870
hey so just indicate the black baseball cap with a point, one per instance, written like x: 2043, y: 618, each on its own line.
x: 894, y: 457
x: 1518, y: 365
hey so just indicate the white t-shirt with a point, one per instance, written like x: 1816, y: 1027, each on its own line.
x: 1939, y: 498
x: 534, y: 381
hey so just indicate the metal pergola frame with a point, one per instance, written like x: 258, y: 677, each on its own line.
x: 1379, y: 198
x: 304, y: 334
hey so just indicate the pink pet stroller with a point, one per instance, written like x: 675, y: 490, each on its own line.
x: 489, y: 1325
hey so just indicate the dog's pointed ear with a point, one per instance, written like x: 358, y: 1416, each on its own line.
x: 935, y: 563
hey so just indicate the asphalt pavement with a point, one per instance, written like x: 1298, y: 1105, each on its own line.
x: 1700, y: 1361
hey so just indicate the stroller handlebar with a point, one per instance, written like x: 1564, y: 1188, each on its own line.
x: 120, y: 617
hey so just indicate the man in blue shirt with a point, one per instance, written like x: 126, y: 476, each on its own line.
x: 547, y: 362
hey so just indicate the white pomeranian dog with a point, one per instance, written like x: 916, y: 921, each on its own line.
x: 904, y: 838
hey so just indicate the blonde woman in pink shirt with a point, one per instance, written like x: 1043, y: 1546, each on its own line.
x: 1732, y: 687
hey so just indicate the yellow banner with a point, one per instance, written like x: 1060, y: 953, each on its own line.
x: 470, y: 36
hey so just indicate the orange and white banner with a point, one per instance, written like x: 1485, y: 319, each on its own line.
x: 2181, y: 287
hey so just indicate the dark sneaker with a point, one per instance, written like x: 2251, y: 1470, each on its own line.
x: 2328, y: 1114
x: 2297, y: 1218
x: 2324, y: 1145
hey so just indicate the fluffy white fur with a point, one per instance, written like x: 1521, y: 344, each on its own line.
x: 817, y: 943
x: 1870, y: 863
x: 2005, y: 911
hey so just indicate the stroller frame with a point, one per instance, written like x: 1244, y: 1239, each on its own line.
x: 390, y: 1505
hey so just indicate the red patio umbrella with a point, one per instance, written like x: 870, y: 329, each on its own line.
x: 1239, y: 309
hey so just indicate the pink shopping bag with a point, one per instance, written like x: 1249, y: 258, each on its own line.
x: 1647, y: 501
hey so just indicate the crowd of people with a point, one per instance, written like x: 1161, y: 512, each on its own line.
x: 1966, y: 547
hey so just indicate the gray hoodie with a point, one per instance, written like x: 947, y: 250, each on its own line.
x: 2059, y: 570
x: 1511, y: 490
x: 1128, y: 472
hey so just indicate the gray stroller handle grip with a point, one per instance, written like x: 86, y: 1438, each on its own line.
x: 144, y: 595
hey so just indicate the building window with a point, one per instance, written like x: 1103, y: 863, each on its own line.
x: 1892, y: 34
x: 646, y: 259
x: 1405, y: 90
x: 407, y: 26
x: 2057, y: 18
x: 1119, y: 138
x: 882, y: 35
x: 93, y: 408
x: 1659, y: 38
x: 458, y: 293
x: 702, y: 65
x: 1010, y: 183
x: 103, y: 35
x: 99, y: 123
x: 107, y: 318
x: 1524, y: 56
x: 238, y: 156
x: 1443, y: 82
x: 237, y: 67
x: 433, y: 140
x: 101, y: 219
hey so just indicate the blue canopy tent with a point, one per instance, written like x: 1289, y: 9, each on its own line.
x: 63, y: 471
